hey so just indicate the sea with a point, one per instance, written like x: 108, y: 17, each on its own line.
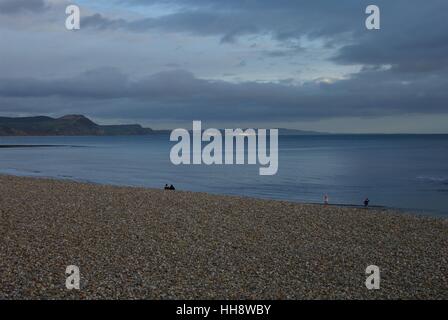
x: 406, y: 172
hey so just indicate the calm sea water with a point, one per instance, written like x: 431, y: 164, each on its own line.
x: 402, y: 171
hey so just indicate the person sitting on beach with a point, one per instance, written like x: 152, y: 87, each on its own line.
x: 172, y: 187
x: 366, y: 202
x: 166, y: 187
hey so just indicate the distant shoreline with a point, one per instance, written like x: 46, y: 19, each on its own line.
x: 401, y: 211
x: 413, y: 212
x: 167, y: 132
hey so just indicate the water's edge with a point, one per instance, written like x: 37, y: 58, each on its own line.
x: 394, y: 210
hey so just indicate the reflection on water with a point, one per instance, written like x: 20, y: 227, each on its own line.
x: 404, y: 171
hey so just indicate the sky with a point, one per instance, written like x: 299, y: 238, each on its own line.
x: 310, y: 65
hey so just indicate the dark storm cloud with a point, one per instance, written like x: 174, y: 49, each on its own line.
x: 229, y: 20
x: 282, y: 19
x: 16, y: 6
x: 413, y: 39
x: 103, y: 83
x: 403, y: 66
x: 227, y: 26
x: 413, y: 36
x: 179, y: 95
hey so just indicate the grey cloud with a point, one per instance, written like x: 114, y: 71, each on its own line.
x: 403, y: 65
x: 288, y: 51
x: 103, y: 83
x: 412, y: 39
x: 98, y: 21
x: 227, y: 26
x: 283, y: 20
x: 15, y: 6
x: 242, y: 63
x: 179, y: 95
x: 413, y: 35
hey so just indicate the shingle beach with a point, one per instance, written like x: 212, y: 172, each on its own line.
x: 135, y: 243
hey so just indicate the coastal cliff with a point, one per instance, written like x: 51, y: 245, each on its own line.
x: 70, y: 125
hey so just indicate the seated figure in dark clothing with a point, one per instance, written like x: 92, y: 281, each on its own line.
x: 366, y: 202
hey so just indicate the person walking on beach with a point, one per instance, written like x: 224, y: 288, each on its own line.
x: 366, y: 202
x: 326, y: 199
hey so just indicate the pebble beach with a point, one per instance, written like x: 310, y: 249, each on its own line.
x: 137, y: 243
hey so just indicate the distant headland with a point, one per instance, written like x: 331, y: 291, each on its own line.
x: 80, y: 125
x: 69, y: 125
